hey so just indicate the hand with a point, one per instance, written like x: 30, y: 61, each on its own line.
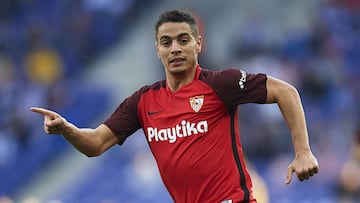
x: 304, y: 165
x: 53, y: 122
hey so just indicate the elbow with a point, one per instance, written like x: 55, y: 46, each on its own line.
x: 291, y: 90
x: 96, y: 148
x: 287, y: 91
x: 92, y: 152
x: 91, y: 155
x: 289, y: 96
x: 97, y: 144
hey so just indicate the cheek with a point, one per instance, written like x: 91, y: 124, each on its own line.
x: 163, y: 53
x: 162, y: 56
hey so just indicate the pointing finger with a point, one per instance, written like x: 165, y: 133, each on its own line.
x: 47, y: 113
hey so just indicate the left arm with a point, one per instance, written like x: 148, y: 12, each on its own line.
x: 289, y: 102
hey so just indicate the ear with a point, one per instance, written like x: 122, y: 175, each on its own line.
x: 157, y: 48
x: 198, y: 44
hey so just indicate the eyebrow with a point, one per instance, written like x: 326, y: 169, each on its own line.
x: 178, y: 36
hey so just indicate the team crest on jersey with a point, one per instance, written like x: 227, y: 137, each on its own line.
x: 197, y: 102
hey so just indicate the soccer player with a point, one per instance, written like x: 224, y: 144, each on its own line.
x: 190, y: 120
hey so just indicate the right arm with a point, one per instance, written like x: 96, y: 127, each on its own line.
x: 91, y: 142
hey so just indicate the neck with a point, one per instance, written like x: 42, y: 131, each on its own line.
x: 178, y: 80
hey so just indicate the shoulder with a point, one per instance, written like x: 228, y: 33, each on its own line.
x: 221, y: 74
x: 222, y: 77
x: 155, y: 86
x: 235, y: 86
x: 133, y: 99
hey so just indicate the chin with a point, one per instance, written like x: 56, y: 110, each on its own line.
x: 177, y: 70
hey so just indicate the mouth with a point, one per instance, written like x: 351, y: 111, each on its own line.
x: 176, y: 61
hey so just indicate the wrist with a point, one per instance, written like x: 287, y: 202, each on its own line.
x: 69, y: 129
x: 303, y: 151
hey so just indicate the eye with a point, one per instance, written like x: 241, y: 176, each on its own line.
x: 165, y: 43
x: 184, y: 40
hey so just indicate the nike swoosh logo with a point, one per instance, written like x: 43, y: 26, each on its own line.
x: 152, y: 112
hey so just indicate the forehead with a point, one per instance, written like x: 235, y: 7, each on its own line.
x: 171, y: 29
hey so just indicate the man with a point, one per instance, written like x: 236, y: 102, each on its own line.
x: 190, y: 120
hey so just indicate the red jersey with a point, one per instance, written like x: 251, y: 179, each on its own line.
x: 193, y: 133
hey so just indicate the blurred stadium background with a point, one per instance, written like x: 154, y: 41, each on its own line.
x: 82, y: 57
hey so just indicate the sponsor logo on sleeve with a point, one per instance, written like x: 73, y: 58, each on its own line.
x: 242, y: 80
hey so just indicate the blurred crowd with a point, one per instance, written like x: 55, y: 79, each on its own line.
x: 46, y: 46
x: 323, y: 62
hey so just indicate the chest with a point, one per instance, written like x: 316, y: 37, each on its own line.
x: 189, y: 106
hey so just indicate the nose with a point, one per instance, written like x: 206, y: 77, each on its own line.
x: 175, y: 47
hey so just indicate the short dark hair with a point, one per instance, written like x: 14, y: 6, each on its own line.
x: 177, y: 16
